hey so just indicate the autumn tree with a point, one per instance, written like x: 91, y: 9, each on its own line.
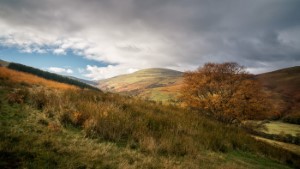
x: 224, y: 91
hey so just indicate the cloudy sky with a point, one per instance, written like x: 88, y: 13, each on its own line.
x: 97, y: 39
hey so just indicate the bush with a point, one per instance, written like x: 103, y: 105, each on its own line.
x: 293, y: 118
x: 17, y: 96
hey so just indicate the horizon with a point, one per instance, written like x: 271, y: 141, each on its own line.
x: 97, y: 40
x: 68, y: 75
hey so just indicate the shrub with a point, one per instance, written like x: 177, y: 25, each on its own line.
x: 40, y: 98
x: 293, y: 118
x: 146, y: 126
x: 17, y: 96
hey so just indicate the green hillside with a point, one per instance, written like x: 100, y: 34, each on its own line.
x: 148, y: 83
x: 164, y: 85
x: 43, y: 127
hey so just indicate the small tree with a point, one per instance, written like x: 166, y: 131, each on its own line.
x: 224, y: 91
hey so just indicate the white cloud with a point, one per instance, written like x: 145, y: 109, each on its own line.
x: 59, y: 51
x: 97, y: 73
x: 132, y: 35
x: 60, y: 70
x: 131, y: 70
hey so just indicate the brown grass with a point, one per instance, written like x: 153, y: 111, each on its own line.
x: 148, y: 127
x: 60, y: 123
x: 283, y: 86
x: 20, y: 77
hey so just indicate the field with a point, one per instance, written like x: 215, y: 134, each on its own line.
x: 153, y: 84
x: 53, y: 128
x: 164, y: 85
x: 279, y: 134
x: 278, y: 127
x: 27, y: 141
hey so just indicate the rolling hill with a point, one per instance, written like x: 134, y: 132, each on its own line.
x: 164, y: 85
x: 48, y: 75
x: 284, y: 88
x: 154, y: 84
x: 23, y: 78
x: 50, y: 127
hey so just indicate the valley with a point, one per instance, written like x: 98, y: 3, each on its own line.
x: 149, y: 84
x: 70, y: 127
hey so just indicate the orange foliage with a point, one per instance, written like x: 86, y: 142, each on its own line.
x: 225, y: 91
x: 21, y: 77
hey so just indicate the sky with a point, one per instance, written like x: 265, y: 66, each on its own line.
x: 97, y: 39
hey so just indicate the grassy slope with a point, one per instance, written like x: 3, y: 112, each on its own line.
x: 26, y: 78
x: 48, y: 75
x: 27, y: 142
x: 155, y: 83
x: 36, y: 137
x: 163, y: 85
x: 283, y: 86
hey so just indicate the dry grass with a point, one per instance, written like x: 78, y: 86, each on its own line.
x: 54, y: 128
x: 26, y: 78
x: 283, y: 86
x: 147, y: 126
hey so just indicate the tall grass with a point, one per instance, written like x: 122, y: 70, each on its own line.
x: 147, y: 126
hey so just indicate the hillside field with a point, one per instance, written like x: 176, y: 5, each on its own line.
x: 48, y: 127
x: 153, y: 84
x: 164, y: 85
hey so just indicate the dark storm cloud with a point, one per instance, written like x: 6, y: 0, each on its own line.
x: 182, y: 34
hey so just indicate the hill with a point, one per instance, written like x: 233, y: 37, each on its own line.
x: 284, y: 88
x: 155, y: 84
x: 164, y: 85
x: 45, y: 74
x: 12, y: 76
x: 49, y: 128
x: 3, y: 63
